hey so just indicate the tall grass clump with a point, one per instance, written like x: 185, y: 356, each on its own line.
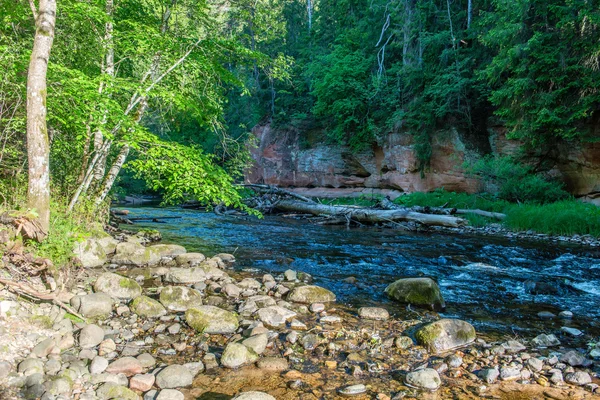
x: 568, y: 217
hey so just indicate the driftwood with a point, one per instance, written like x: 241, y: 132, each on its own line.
x: 22, y: 289
x: 387, y: 204
x: 276, y: 190
x: 487, y: 214
x: 27, y: 227
x: 370, y: 215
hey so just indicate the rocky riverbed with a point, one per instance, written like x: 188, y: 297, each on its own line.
x: 163, y: 323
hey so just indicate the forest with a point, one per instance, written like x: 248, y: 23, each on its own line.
x: 172, y: 89
x: 256, y: 291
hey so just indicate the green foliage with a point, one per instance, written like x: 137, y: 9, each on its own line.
x: 517, y: 182
x: 185, y: 173
x: 68, y: 229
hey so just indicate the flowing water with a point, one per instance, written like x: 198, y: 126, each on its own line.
x: 482, y: 278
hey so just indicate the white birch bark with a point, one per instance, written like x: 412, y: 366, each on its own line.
x: 38, y: 147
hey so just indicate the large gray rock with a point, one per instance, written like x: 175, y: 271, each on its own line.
x: 375, y: 313
x: 90, y: 253
x: 445, y: 334
x: 117, y: 286
x: 174, y: 376
x: 236, y: 355
x: 146, y: 307
x: 417, y: 291
x: 310, y: 294
x: 189, y: 259
x: 211, y: 319
x: 427, y: 378
x: 132, y: 253
x: 193, y: 275
x: 91, y: 336
x: 110, y: 391
x: 180, y: 298
x: 93, y: 305
x: 253, y: 396
x: 275, y: 316
x: 258, y: 343
x: 169, y: 394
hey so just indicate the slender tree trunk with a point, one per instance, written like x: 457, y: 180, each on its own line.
x: 38, y: 147
x: 309, y: 9
x: 112, y: 173
x: 469, y: 13
x: 110, y: 71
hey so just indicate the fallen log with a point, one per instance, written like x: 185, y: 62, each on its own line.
x: 387, y: 204
x: 487, y: 214
x: 276, y: 190
x: 370, y: 215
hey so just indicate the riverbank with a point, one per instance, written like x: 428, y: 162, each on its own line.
x: 568, y: 221
x: 168, y: 324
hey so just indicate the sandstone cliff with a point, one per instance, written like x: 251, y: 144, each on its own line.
x: 282, y: 159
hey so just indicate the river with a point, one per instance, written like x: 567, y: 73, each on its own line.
x: 481, y: 278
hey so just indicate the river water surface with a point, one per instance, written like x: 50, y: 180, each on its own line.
x: 482, y: 278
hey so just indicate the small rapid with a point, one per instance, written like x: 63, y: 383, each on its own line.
x: 483, y: 279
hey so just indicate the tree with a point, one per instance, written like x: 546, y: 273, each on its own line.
x: 38, y: 148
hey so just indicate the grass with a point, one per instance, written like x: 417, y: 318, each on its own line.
x: 566, y: 217
x: 65, y: 228
x: 362, y: 201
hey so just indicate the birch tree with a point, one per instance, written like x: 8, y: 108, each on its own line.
x: 38, y: 148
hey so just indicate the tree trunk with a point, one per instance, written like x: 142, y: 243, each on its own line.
x: 370, y: 215
x: 112, y: 173
x: 38, y: 147
x: 110, y: 71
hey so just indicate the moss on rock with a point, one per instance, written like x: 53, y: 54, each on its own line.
x: 445, y: 334
x: 310, y: 294
x: 144, y: 306
x: 417, y: 291
x: 211, y: 319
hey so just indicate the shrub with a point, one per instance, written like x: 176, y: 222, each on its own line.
x: 516, y: 182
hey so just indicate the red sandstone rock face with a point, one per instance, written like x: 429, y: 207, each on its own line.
x: 280, y: 160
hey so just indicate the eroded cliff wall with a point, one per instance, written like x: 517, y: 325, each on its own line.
x: 281, y: 159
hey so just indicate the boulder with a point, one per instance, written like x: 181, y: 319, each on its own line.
x: 274, y: 364
x: 132, y: 253
x: 275, y: 316
x: 110, y: 391
x: 117, y: 286
x: 544, y: 340
x: 90, y: 253
x: 125, y: 365
x: 93, y: 305
x: 310, y: 294
x: 189, y: 259
x: 236, y: 355
x: 445, y: 334
x: 91, y: 336
x: 375, y: 313
x: 180, y: 298
x: 427, y: 378
x: 146, y: 307
x: 253, y: 396
x: 174, y: 376
x: 169, y: 394
x: 211, y: 319
x: 417, y: 291
x: 258, y: 343
x: 193, y: 275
